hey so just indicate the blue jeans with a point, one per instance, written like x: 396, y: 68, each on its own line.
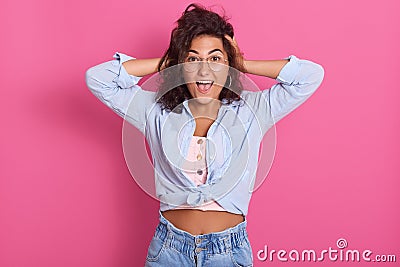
x: 171, y: 246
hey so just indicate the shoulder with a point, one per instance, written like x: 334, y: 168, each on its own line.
x: 251, y: 97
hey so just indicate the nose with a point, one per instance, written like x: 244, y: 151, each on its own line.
x: 204, y: 68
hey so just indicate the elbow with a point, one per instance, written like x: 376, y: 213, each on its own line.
x: 316, y: 77
x: 90, y: 79
x: 320, y: 73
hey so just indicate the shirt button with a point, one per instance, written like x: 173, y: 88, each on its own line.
x: 199, y: 172
x: 200, y: 141
x: 199, y: 157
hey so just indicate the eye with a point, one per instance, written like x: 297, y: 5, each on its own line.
x: 192, y: 59
x: 215, y: 59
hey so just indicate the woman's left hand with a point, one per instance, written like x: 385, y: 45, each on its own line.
x: 238, y: 53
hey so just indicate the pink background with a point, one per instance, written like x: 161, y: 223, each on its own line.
x: 66, y: 195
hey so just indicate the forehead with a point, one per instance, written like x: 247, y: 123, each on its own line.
x: 204, y: 44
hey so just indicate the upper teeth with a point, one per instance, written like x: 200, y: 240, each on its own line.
x: 204, y: 82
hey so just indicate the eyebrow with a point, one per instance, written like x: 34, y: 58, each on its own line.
x: 210, y: 52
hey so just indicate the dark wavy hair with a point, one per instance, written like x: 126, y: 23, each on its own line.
x: 195, y: 21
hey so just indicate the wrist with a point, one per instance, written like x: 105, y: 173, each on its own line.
x: 245, y: 66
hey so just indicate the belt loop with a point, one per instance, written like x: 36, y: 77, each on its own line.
x: 227, y: 242
x: 169, y: 237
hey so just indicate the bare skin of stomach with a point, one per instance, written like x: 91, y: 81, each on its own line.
x: 198, y: 222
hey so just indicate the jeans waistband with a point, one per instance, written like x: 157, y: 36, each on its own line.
x: 212, y: 243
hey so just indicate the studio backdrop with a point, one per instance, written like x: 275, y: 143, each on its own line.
x: 67, y: 197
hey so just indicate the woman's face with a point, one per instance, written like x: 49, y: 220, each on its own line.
x: 205, y: 80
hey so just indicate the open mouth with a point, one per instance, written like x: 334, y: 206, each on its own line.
x: 204, y: 86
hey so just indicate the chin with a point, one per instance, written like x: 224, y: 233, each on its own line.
x: 203, y: 100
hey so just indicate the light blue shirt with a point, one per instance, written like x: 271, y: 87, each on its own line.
x: 233, y: 140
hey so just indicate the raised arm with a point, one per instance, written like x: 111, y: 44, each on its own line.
x: 297, y: 81
x: 115, y: 83
x: 141, y: 67
x: 267, y: 68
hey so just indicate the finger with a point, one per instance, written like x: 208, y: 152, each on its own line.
x: 231, y: 40
x: 228, y: 37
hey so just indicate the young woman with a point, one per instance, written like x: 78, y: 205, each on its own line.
x: 204, y: 131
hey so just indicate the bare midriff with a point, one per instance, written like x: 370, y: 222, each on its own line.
x: 198, y: 222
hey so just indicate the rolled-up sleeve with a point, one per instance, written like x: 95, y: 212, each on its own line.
x: 297, y: 81
x: 112, y: 85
